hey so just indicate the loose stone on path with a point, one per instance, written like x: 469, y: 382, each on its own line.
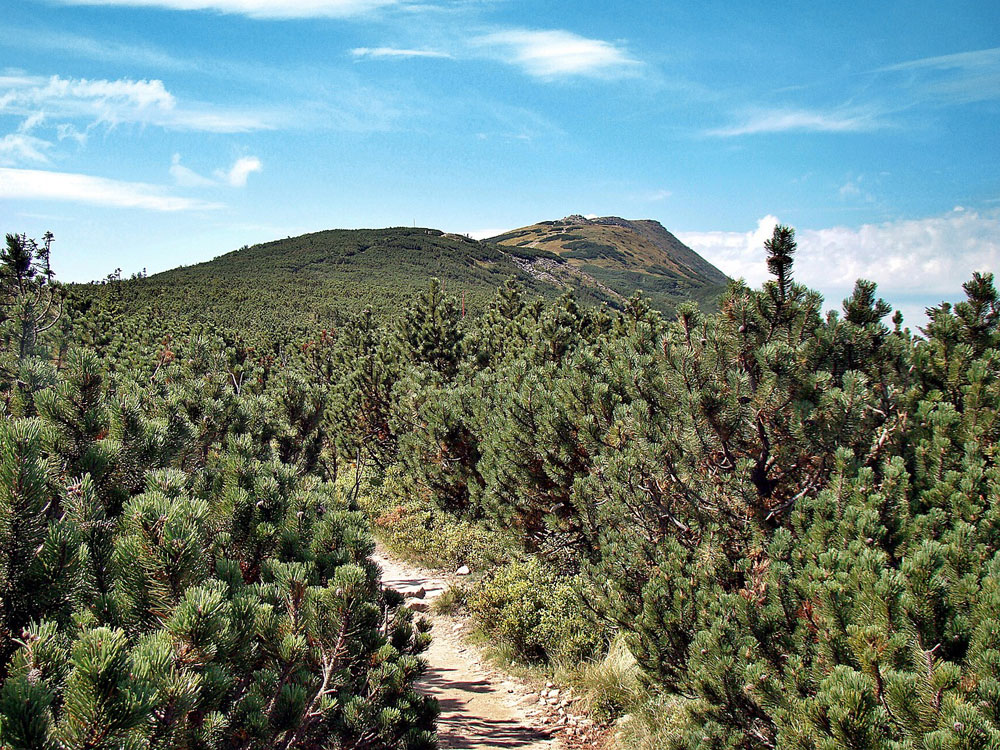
x: 479, y: 707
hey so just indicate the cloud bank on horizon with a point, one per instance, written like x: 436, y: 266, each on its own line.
x: 916, y: 263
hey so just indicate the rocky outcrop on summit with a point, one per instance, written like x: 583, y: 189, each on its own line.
x: 620, y: 256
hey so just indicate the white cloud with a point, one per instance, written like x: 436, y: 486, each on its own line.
x: 849, y: 189
x: 37, y: 90
x: 482, y: 234
x: 802, y: 120
x: 558, y: 53
x: 961, y: 78
x: 32, y: 184
x: 44, y: 38
x: 859, y: 189
x: 259, y: 8
x: 927, y: 258
x: 67, y: 131
x: 394, y: 52
x: 935, y: 82
x: 123, y: 100
x: 238, y: 173
x: 16, y: 148
x: 32, y: 122
x: 982, y: 58
x: 235, y: 176
x: 738, y: 254
x: 187, y: 177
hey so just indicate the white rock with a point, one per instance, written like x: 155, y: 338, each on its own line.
x: 463, y: 571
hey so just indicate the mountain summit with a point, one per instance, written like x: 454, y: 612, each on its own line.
x: 620, y: 256
x: 311, y: 279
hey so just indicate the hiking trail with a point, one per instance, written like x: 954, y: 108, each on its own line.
x: 480, y: 707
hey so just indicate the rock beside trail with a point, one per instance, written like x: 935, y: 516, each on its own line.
x: 553, y: 709
x: 480, y: 706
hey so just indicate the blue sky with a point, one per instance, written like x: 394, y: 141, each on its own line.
x: 150, y: 133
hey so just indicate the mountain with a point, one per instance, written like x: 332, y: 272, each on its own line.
x: 619, y: 256
x: 316, y: 278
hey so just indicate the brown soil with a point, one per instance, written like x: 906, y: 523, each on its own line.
x: 480, y: 706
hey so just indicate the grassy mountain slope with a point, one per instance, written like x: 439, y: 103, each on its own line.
x: 316, y: 278
x: 620, y: 256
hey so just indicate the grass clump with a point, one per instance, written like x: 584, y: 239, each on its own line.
x: 452, y: 600
x: 657, y: 722
x: 606, y: 687
x: 412, y: 528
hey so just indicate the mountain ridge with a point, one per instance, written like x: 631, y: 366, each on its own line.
x: 321, y: 276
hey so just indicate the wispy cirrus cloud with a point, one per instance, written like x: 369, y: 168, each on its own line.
x: 971, y: 60
x: 800, y: 120
x: 34, y: 184
x: 235, y: 176
x: 398, y: 53
x: 22, y: 147
x: 264, y: 9
x: 890, y: 93
x: 551, y: 54
x: 90, y: 48
x: 18, y: 148
x: 114, y: 102
x: 187, y: 177
x: 547, y: 54
x: 943, y: 80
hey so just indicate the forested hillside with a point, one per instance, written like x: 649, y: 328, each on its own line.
x: 316, y: 280
x: 782, y: 526
x: 174, y: 571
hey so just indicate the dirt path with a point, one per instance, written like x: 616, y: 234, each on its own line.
x: 480, y: 707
